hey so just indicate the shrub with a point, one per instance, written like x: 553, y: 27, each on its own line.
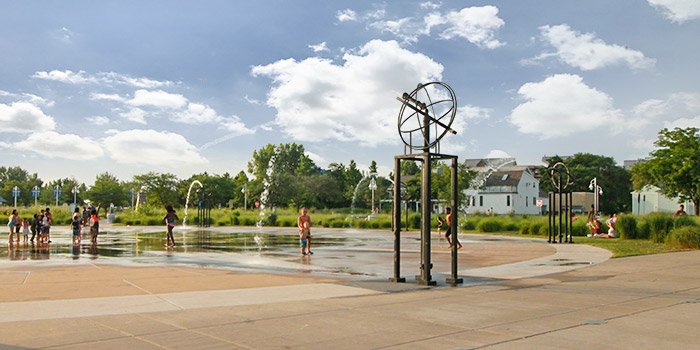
x: 489, y: 225
x: 579, y: 229
x: 683, y: 220
x: 511, y: 226
x: 414, y: 221
x: 470, y: 225
x: 684, y: 237
x: 271, y: 219
x: 117, y: 220
x: 525, y: 228
x: 536, y: 228
x: 153, y: 222
x: 337, y: 224
x: 627, y: 226
x: 643, y: 229
x: 659, y: 224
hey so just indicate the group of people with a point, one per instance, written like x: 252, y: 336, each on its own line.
x: 597, y: 227
x: 40, y: 225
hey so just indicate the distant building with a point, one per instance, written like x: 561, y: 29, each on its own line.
x: 650, y: 200
x: 510, y: 189
x: 2, y: 201
x: 628, y: 164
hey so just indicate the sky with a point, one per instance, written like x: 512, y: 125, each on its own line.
x: 184, y: 87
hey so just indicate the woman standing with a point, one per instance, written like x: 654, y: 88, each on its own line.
x: 11, y: 223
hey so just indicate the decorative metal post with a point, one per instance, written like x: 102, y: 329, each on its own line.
x: 15, y: 195
x: 561, y: 179
x: 418, y: 115
x: 36, y: 193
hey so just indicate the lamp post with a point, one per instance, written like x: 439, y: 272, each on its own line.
x: 75, y: 195
x: 132, y: 194
x: 597, y: 191
x: 15, y: 194
x: 245, y: 197
x: 36, y: 193
x: 57, y: 193
x: 373, y: 186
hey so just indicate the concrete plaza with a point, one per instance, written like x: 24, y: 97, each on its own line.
x: 548, y: 301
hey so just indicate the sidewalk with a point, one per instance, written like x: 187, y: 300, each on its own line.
x: 640, y: 302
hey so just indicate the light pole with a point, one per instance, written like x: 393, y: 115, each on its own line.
x: 245, y: 197
x: 75, y: 195
x: 597, y: 191
x: 131, y: 192
x: 15, y: 194
x: 57, y: 193
x: 36, y: 193
x: 373, y: 186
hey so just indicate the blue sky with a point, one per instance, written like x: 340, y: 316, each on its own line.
x: 184, y: 87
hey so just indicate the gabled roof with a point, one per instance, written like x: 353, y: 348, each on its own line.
x: 486, y: 162
x: 504, y: 178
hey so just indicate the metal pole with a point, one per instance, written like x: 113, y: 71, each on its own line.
x: 550, y: 214
x: 426, y: 265
x: 35, y: 195
x: 397, y: 218
x: 14, y: 194
x: 454, y: 279
x: 561, y: 208
x: 245, y: 198
x: 571, y: 223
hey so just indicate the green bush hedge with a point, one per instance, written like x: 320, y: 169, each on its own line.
x: 489, y: 225
x: 660, y: 225
x: 687, y: 237
x: 627, y: 227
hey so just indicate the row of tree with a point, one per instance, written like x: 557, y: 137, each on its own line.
x: 283, y: 176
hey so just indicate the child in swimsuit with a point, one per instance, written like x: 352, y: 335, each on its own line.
x: 170, y: 218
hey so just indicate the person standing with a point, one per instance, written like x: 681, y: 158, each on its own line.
x: 76, y: 221
x: 681, y: 211
x: 48, y: 226
x: 95, y: 228
x: 34, y: 226
x: 304, y: 218
x: 11, y: 222
x: 448, y: 229
x: 170, y: 219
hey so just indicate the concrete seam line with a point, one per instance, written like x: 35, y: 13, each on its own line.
x: 155, y: 295
x: 26, y: 277
x: 128, y: 334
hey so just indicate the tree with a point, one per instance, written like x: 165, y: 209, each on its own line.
x: 107, y: 189
x: 674, y: 166
x: 160, y: 188
x: 25, y: 182
x: 612, y: 178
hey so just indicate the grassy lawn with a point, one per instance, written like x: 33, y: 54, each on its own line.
x: 619, y: 247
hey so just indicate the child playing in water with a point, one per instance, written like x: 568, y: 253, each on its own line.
x: 76, y: 223
x: 170, y: 218
x: 95, y: 228
x: 305, y: 221
x: 304, y: 238
x: 25, y: 230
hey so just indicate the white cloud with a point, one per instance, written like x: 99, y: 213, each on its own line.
x: 152, y: 148
x: 251, y: 100
x: 587, y: 52
x: 157, y: 98
x: 27, y: 97
x: 497, y: 153
x: 319, y: 160
x: 562, y: 105
x: 98, y: 120
x: 682, y: 104
x: 678, y: 11
x: 319, y: 47
x: 104, y: 78
x: 64, y: 34
x: 683, y: 123
x: 4, y: 145
x: 108, y: 97
x: 346, y: 15
x: 318, y: 100
x: 23, y: 117
x: 51, y: 144
x: 136, y: 115
x: 476, y: 24
x: 430, y: 5
x: 197, y: 113
x: 67, y: 76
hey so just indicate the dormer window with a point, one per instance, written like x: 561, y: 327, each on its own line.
x: 504, y: 177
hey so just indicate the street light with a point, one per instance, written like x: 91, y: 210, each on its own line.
x: 15, y: 194
x: 373, y: 186
x: 597, y: 191
x: 57, y: 193
x: 131, y: 192
x: 36, y: 193
x: 75, y: 195
x: 245, y: 197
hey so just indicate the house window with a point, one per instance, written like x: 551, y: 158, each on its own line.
x: 534, y: 200
x: 504, y: 177
x: 508, y: 201
x: 526, y: 203
x: 481, y: 201
x: 473, y: 201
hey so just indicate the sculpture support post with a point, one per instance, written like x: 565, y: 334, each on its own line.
x: 397, y: 222
x: 454, y: 278
x: 425, y: 277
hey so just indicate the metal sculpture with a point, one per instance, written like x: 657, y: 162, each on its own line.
x: 425, y: 117
x: 203, y: 208
x: 561, y: 206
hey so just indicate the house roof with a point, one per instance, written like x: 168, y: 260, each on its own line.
x: 2, y: 200
x: 488, y: 162
x: 504, y: 178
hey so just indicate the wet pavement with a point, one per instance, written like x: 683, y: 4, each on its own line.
x: 340, y: 253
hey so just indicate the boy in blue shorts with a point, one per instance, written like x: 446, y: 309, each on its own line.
x: 304, y: 239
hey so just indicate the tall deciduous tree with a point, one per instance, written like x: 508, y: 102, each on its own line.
x: 674, y: 166
x: 160, y: 188
x: 107, y: 189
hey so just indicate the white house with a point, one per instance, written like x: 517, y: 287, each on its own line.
x: 650, y: 200
x: 510, y: 189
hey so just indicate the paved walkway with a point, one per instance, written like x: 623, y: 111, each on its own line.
x: 639, y: 302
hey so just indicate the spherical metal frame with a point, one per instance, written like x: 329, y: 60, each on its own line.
x: 429, y: 107
x: 561, y: 169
